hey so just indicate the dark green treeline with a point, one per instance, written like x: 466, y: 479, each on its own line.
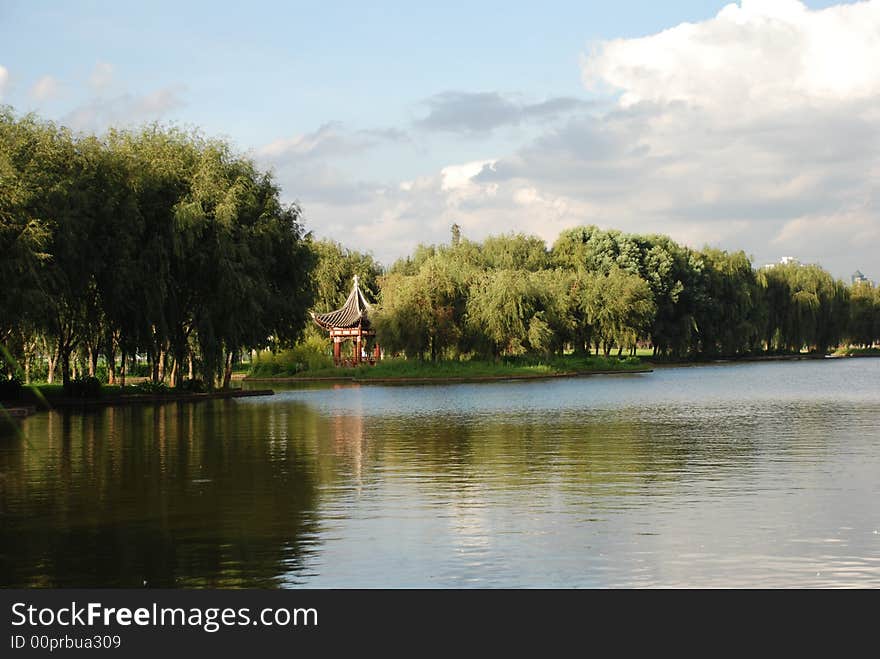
x: 159, y: 242
x: 611, y: 291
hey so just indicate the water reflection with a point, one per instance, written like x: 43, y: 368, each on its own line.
x: 174, y: 495
x: 749, y: 475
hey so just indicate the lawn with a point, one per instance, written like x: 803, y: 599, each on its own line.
x: 454, y: 369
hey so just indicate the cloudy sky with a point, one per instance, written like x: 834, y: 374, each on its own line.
x: 752, y: 125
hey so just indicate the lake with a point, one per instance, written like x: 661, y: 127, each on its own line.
x: 739, y: 475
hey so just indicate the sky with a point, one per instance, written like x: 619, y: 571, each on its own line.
x: 751, y: 125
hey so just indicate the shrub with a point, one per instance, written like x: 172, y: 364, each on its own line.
x: 310, y: 355
x: 102, y: 373
x: 139, y: 370
x: 194, y: 386
x: 84, y: 387
x: 150, y: 387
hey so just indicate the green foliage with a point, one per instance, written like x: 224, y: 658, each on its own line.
x: 857, y: 352
x: 155, y: 241
x: 501, y: 305
x: 165, y: 243
x: 336, y: 267
x: 310, y: 355
x: 619, y: 307
x: 805, y: 308
x: 194, y: 386
x: 421, y: 314
x: 154, y: 388
x: 606, y: 289
x: 864, y: 319
x: 515, y: 252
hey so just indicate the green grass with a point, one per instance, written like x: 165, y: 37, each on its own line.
x: 406, y: 369
x: 850, y: 352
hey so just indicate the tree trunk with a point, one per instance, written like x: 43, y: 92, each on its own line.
x: 64, y: 356
x: 580, y: 345
x: 93, y: 361
x: 122, y: 368
x: 227, y: 374
x: 160, y: 366
x: 53, y: 361
x: 110, y: 356
x: 189, y: 359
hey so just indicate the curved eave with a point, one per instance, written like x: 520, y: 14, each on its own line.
x: 350, y: 315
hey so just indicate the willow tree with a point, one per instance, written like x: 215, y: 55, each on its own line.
x: 149, y: 241
x: 243, y: 259
x: 501, y: 305
x: 24, y: 230
x: 404, y: 318
x: 336, y: 266
x: 420, y: 314
x: 515, y: 251
x: 619, y: 307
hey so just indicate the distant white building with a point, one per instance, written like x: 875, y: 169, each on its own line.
x: 858, y: 277
x: 785, y: 260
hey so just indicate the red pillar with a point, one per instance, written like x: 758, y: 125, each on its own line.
x: 337, y: 349
x: 376, y: 353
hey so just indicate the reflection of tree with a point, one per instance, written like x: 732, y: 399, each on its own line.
x: 231, y: 493
x: 174, y: 495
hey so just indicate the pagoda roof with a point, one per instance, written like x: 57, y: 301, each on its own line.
x: 353, y: 313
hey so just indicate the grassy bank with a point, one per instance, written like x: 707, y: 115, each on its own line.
x: 857, y: 352
x: 401, y: 369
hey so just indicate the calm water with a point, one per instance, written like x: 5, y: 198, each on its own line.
x: 728, y: 475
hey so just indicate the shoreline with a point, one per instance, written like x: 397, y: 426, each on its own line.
x: 446, y: 379
x: 123, y: 400
x: 650, y: 366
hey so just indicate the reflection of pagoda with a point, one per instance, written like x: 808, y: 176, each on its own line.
x: 351, y: 321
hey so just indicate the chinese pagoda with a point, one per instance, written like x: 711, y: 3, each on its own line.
x: 350, y: 322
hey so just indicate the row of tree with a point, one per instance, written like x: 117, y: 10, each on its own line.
x: 158, y: 242
x: 608, y: 290
x: 163, y: 244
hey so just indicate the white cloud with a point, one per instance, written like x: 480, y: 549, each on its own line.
x: 845, y: 230
x: 4, y: 79
x: 101, y: 77
x: 329, y: 140
x: 759, y: 56
x: 44, y: 89
x: 124, y: 110
x: 458, y: 177
x: 758, y: 129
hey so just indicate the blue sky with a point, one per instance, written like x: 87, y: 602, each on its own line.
x: 388, y: 121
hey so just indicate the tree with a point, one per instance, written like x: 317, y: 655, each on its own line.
x: 619, y: 307
x: 335, y: 269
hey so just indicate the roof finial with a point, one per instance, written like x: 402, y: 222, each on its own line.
x: 355, y: 281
